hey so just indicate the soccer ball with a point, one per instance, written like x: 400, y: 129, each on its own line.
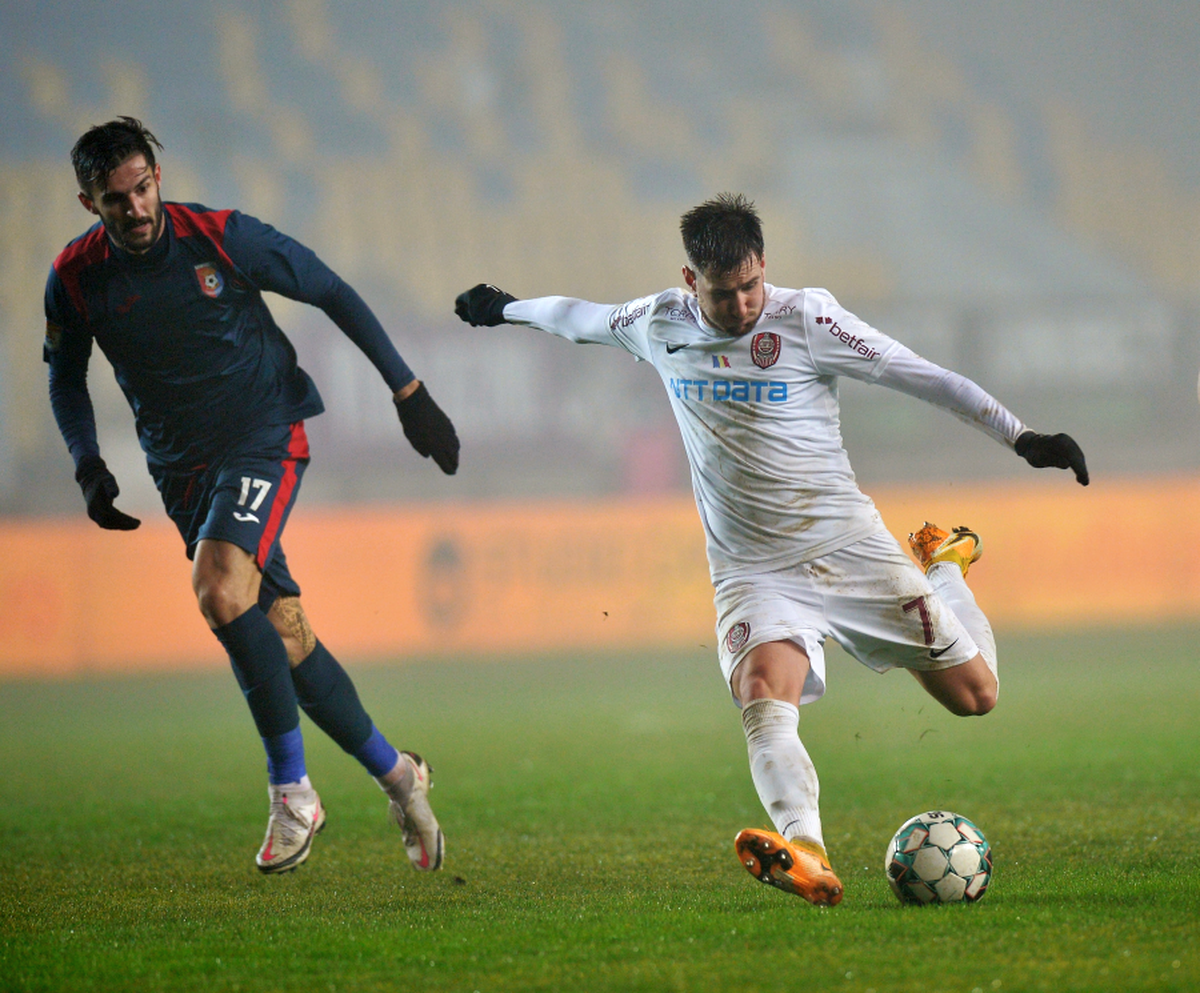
x: 938, y: 857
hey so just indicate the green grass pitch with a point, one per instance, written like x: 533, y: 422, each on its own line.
x: 590, y: 807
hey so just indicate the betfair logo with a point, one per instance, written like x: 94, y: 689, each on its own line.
x: 626, y: 316
x: 853, y: 341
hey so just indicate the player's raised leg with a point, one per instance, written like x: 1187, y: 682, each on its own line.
x: 769, y: 681
x: 327, y: 694
x: 226, y: 580
x: 972, y: 688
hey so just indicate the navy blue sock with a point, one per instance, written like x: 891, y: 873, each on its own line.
x: 378, y: 755
x: 285, y: 757
x: 260, y: 664
x: 326, y: 692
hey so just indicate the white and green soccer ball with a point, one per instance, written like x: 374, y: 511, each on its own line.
x: 939, y: 857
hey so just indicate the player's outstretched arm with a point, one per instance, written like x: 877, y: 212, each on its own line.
x: 579, y: 321
x: 910, y: 373
x: 100, y: 489
x: 483, y: 305
x: 427, y: 427
x: 1056, y: 451
x: 72, y: 406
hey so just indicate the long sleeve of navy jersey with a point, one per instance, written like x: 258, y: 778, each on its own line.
x: 69, y: 397
x: 72, y: 406
x: 275, y: 262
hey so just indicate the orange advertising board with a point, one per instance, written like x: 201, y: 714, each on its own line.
x: 545, y: 576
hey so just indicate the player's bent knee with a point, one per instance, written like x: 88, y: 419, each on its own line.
x: 966, y: 691
x: 774, y: 670
x: 975, y: 701
x: 221, y: 603
x: 975, y: 705
x: 225, y: 579
x: 987, y: 701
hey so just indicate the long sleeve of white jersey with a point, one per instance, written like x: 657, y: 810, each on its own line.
x: 842, y: 344
x: 585, y: 323
x: 909, y: 373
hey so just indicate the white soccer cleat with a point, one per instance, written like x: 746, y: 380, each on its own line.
x: 423, y: 839
x: 296, y: 818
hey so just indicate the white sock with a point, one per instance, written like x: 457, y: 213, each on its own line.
x: 398, y: 783
x: 783, y: 773
x: 951, y: 586
x: 300, y: 790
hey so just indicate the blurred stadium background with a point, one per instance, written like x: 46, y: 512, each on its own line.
x: 1012, y: 188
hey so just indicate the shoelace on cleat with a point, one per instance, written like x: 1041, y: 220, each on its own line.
x: 287, y: 823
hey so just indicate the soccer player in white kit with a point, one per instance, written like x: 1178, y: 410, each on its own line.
x: 796, y: 551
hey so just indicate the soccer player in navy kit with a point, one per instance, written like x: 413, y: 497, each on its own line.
x: 172, y: 294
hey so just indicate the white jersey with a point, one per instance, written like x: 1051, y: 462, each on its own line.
x: 759, y: 412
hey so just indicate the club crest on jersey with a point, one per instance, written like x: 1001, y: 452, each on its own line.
x: 764, y: 349
x: 737, y: 636
x: 211, y: 283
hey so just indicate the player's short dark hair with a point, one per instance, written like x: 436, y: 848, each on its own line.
x: 721, y: 234
x: 105, y: 146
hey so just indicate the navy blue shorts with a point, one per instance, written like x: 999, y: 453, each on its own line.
x: 244, y: 497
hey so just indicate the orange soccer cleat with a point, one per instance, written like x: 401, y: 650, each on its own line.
x: 930, y: 544
x: 799, y: 867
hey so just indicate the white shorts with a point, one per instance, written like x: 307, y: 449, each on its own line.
x: 870, y: 597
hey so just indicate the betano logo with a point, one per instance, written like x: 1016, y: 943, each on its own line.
x: 736, y: 390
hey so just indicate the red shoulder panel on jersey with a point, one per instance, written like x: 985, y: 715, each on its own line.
x: 87, y: 250
x: 208, y: 224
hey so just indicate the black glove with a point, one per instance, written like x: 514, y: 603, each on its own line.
x: 1057, y: 451
x: 428, y: 429
x: 483, y: 305
x: 99, y: 491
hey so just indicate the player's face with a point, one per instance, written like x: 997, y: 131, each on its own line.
x: 129, y: 204
x: 731, y: 303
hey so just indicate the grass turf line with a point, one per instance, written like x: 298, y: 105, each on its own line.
x: 590, y: 807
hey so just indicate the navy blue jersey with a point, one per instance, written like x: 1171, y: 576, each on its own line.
x: 193, y: 345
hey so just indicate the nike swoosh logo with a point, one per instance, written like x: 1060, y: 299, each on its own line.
x: 937, y: 653
x: 673, y: 348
